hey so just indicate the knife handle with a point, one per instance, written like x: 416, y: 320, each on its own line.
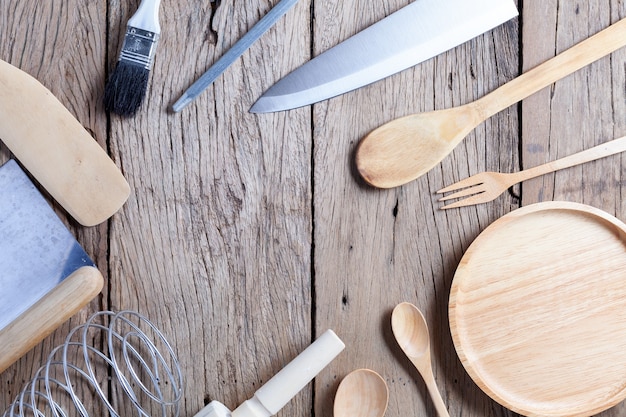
x: 47, y: 314
x: 57, y: 150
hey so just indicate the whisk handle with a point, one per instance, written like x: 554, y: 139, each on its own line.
x: 56, y: 307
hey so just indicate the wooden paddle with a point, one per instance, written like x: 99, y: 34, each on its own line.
x: 57, y: 150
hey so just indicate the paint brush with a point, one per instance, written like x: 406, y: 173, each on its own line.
x: 127, y: 84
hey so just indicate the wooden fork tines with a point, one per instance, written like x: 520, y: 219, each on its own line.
x: 477, y: 189
x: 486, y: 186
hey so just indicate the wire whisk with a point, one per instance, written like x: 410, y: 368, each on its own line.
x: 118, y: 363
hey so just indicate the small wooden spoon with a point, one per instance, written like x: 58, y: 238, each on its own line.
x: 411, y: 331
x: 362, y: 393
x: 406, y: 148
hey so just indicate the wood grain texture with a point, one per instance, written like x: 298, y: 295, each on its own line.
x: 221, y: 215
x: 61, y: 44
x: 376, y: 248
x: 246, y: 236
x: 537, y: 306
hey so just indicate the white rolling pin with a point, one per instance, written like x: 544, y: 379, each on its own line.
x: 283, y: 386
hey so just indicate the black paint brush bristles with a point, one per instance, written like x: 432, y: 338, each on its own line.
x: 127, y: 84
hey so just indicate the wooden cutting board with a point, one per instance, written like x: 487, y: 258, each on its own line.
x: 538, y: 310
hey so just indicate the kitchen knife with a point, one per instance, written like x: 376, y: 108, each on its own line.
x: 413, y: 34
x: 233, y: 53
x: 45, y: 275
x: 57, y: 150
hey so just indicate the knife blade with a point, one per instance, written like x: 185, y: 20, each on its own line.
x: 413, y: 34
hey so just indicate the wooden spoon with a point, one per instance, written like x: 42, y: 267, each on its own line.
x: 362, y: 393
x: 411, y: 331
x: 406, y: 148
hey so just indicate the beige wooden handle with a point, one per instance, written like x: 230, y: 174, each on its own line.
x: 601, y: 151
x: 567, y: 62
x: 57, y: 150
x: 56, y: 307
x: 423, y: 365
x: 435, y: 395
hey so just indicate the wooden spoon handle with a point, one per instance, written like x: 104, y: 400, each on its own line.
x: 591, y: 154
x: 567, y: 62
x: 440, y: 406
x: 424, y: 367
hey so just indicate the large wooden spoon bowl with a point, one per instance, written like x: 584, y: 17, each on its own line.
x: 406, y: 148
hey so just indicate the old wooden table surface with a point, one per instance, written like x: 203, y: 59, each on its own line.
x: 246, y: 235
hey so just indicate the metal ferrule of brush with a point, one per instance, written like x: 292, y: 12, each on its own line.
x: 139, y: 47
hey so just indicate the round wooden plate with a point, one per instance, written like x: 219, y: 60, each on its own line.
x: 538, y: 310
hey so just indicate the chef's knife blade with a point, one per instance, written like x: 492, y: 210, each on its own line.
x: 413, y: 34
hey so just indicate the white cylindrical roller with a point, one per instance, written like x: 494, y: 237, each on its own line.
x: 283, y: 386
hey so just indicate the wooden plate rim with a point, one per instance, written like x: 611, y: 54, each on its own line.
x: 477, y: 243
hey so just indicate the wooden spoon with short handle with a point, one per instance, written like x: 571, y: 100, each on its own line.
x: 406, y: 148
x: 411, y: 332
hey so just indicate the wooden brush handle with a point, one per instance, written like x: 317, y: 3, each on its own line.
x: 55, y: 148
x: 573, y: 59
x: 56, y: 307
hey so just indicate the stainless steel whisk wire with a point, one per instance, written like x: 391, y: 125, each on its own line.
x: 143, y: 366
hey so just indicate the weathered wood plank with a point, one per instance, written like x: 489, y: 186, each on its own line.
x: 376, y: 248
x: 214, y: 244
x: 577, y: 112
x: 62, y: 44
x: 248, y: 235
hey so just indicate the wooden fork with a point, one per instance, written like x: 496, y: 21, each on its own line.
x: 486, y: 186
